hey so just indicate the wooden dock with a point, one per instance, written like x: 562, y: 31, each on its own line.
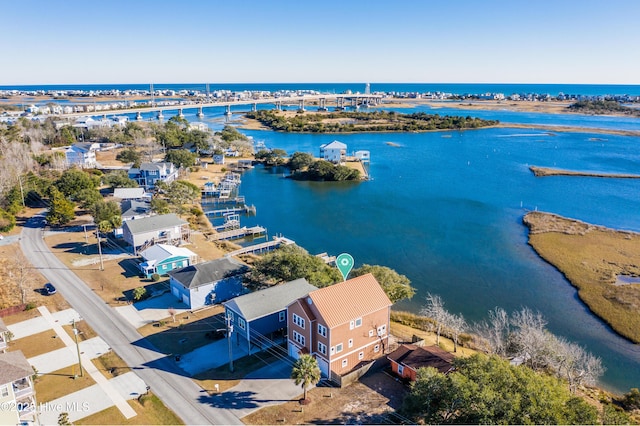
x: 247, y: 210
x: 262, y: 247
x: 238, y: 233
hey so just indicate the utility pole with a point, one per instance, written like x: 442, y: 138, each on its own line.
x: 75, y: 333
x: 21, y: 189
x: 100, y: 250
x: 229, y: 331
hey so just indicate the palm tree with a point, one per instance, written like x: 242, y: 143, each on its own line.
x: 306, y: 372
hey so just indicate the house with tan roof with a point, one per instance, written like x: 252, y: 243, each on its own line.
x: 17, y: 393
x: 344, y: 326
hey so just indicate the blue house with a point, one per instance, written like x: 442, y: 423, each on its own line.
x: 148, y: 174
x: 164, y: 258
x: 208, y: 283
x: 256, y: 316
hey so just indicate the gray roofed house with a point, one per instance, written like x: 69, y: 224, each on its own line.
x: 166, y: 228
x: 130, y: 193
x: 82, y: 154
x: 264, y: 312
x: 16, y: 389
x: 208, y: 283
x: 148, y: 174
x: 134, y: 209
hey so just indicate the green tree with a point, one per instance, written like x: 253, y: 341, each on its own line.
x: 160, y: 205
x: 107, y: 215
x: 292, y: 262
x: 129, y: 155
x: 61, y: 210
x: 73, y: 181
x: 181, y: 157
x: 396, y: 286
x: 182, y: 192
x: 7, y: 221
x: 305, y: 372
x: 300, y: 160
x: 86, y: 197
x: 230, y: 134
x: 119, y: 179
x: 488, y: 390
x: 139, y: 293
x: 612, y: 415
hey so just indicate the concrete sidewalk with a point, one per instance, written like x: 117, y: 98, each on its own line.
x: 111, y: 394
x: 151, y: 310
x: 40, y: 324
x: 91, y: 400
x: 64, y: 357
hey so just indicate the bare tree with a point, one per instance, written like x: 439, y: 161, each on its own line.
x: 20, y: 269
x: 573, y: 363
x: 530, y: 339
x: 457, y: 325
x: 15, y: 160
x: 495, y: 332
x: 434, y: 309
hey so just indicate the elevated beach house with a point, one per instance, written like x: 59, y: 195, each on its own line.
x: 164, y: 258
x: 17, y: 393
x: 334, y: 152
x: 82, y: 155
x: 406, y: 360
x: 344, y: 326
x: 257, y: 316
x: 131, y: 193
x: 208, y: 283
x: 161, y: 229
x: 135, y: 209
x: 148, y: 174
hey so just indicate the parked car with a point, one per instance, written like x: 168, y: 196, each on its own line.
x: 49, y: 289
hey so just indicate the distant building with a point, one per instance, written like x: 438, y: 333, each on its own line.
x: 135, y: 209
x: 407, y: 359
x: 343, y: 326
x: 130, y: 193
x: 17, y: 393
x: 208, y: 283
x: 82, y: 155
x: 334, y: 152
x: 260, y: 314
x: 363, y: 156
x: 163, y: 258
x: 148, y: 174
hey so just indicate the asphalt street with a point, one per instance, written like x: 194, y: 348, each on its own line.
x: 162, y: 375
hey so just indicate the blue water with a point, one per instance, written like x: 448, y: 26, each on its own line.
x: 445, y: 210
x: 458, y: 88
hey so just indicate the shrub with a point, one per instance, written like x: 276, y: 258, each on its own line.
x: 155, y: 277
x: 196, y: 211
x: 30, y: 306
x: 139, y: 293
x: 7, y: 221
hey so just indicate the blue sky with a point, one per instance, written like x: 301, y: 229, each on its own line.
x: 463, y: 41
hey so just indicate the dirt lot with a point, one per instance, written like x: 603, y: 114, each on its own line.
x: 368, y: 401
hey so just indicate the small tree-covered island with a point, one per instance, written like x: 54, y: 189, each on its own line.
x: 378, y: 121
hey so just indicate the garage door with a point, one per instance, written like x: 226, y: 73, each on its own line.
x: 294, y: 352
x: 324, y: 367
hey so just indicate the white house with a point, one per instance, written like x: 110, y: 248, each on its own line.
x: 82, y: 154
x: 17, y: 393
x: 149, y: 173
x: 334, y: 152
x: 363, y: 155
x: 166, y: 228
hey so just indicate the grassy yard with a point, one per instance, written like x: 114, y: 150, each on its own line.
x: 37, y: 344
x: 111, y: 365
x: 225, y: 379
x: 60, y: 383
x: 150, y: 411
x: 21, y: 316
x: 84, y: 331
x: 188, y: 332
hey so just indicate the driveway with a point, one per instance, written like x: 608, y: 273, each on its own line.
x: 151, y: 310
x: 212, y: 355
x: 269, y: 385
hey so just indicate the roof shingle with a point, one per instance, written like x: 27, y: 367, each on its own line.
x: 14, y: 366
x: 153, y: 223
x: 208, y: 272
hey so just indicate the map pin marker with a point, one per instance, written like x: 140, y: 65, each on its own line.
x: 344, y: 262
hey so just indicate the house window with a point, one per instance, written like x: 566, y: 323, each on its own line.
x: 361, y: 355
x: 282, y: 316
x: 333, y: 350
x: 370, y: 333
x: 299, y: 338
x: 322, y: 330
x: 173, y: 265
x: 339, y: 348
x: 299, y: 321
x: 4, y: 391
x: 345, y: 362
x: 382, y: 330
x: 376, y: 348
x: 358, y: 322
x: 230, y: 315
x: 400, y: 370
x: 322, y: 348
x: 350, y: 343
x: 241, y: 323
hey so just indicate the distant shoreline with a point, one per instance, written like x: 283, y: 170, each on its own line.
x: 547, y: 171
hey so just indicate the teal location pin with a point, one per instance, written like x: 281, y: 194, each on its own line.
x: 344, y: 262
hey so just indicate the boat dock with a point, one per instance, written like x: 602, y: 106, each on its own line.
x: 247, y: 210
x: 233, y: 234
x: 262, y: 247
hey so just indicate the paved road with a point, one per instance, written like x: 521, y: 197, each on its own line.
x: 166, y: 380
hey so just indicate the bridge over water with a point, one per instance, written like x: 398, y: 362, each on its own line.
x: 341, y: 101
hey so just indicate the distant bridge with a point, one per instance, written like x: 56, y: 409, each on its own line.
x: 341, y: 101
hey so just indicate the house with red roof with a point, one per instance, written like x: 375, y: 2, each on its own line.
x: 406, y: 360
x: 344, y: 326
